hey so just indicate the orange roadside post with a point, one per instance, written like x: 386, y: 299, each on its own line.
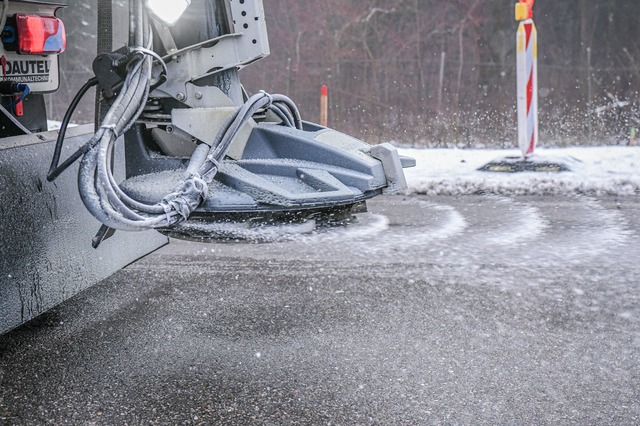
x: 324, y: 105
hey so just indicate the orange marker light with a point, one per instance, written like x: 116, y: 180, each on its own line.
x: 524, y: 10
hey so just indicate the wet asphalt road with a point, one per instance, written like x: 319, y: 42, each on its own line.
x: 472, y: 310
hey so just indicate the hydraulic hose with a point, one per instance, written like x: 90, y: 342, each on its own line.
x: 98, y: 188
x: 105, y: 200
x: 56, y: 169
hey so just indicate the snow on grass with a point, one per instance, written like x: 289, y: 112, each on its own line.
x: 594, y: 171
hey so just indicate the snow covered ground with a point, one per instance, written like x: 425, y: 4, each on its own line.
x: 594, y: 171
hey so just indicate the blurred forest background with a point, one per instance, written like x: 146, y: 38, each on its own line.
x: 432, y: 72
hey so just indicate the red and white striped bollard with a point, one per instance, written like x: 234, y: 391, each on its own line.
x: 527, y: 71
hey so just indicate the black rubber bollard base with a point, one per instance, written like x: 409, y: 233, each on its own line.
x: 518, y: 165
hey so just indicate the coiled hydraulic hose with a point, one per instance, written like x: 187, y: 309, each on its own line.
x: 98, y: 188
x: 109, y: 204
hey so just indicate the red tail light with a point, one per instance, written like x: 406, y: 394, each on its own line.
x: 40, y: 35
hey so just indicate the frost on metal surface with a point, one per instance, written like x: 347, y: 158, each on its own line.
x: 45, y: 241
